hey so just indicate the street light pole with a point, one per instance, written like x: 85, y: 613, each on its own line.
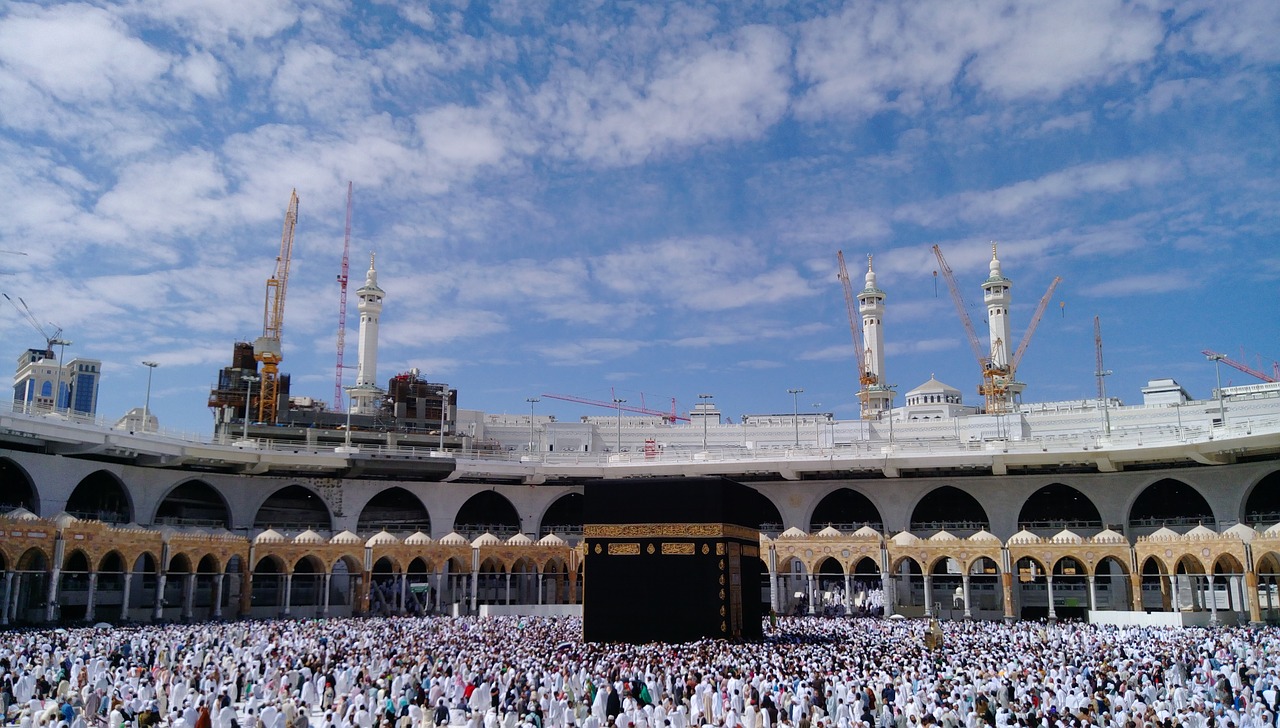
x: 249, y: 379
x: 1217, y: 369
x: 532, y: 401
x: 618, y: 403
x: 346, y: 443
x: 146, y: 405
x: 795, y: 411
x: 704, y: 398
x: 57, y: 389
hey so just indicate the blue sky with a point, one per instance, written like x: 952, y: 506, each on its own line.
x: 610, y: 199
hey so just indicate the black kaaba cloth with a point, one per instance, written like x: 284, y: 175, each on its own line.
x: 670, y: 560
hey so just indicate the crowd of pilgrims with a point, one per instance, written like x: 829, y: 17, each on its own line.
x: 505, y: 672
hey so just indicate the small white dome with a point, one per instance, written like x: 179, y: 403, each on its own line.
x: 382, y: 538
x: 943, y: 536
x: 486, y: 539
x: 454, y: 539
x: 1200, y: 531
x: 984, y: 536
x: 519, y: 540
x: 1024, y: 536
x: 269, y: 536
x: 1067, y: 536
x: 64, y: 519
x: 1106, y: 535
x: 905, y: 538
x: 346, y: 537
x: 793, y: 532
x: 866, y: 532
x: 21, y: 514
x: 830, y: 532
x: 418, y: 539
x: 308, y: 536
x: 1242, y: 532
x: 1163, y: 534
x: 551, y: 540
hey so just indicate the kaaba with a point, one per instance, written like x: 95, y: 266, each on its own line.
x: 671, y: 560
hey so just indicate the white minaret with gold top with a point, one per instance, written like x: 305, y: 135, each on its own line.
x: 366, y: 393
x: 871, y: 308
x: 995, y: 293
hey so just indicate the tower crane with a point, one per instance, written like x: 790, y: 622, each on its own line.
x: 996, y: 379
x: 1231, y: 363
x: 266, y: 348
x: 25, y: 312
x: 866, y: 377
x: 338, y: 404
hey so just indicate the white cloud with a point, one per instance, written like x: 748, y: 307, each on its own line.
x: 1143, y: 284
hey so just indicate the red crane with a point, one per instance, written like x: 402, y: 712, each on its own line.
x: 1242, y: 367
x: 669, y: 416
x: 338, y: 404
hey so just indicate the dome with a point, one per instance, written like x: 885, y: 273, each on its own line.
x: 551, y: 540
x: 793, y: 532
x: 346, y: 537
x: 984, y: 536
x: 1164, y: 533
x: 830, y: 532
x: 933, y: 386
x: 21, y: 514
x: 486, y: 539
x: 905, y: 538
x: 1106, y: 535
x: 1024, y: 536
x: 1200, y: 531
x: 418, y: 539
x: 943, y: 536
x: 382, y: 538
x: 64, y: 519
x: 866, y: 532
x: 454, y: 539
x: 519, y: 540
x: 1066, y: 535
x: 1273, y: 531
x: 1242, y: 532
x: 308, y: 536
x: 269, y: 536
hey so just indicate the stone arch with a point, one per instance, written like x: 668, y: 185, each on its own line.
x: 294, y: 507
x: 491, y: 581
x: 1112, y: 587
x: 268, y: 582
x: 193, y: 503
x: 487, y: 512
x: 76, y: 560
x: 395, y: 510
x: 1262, y: 505
x: 306, y: 582
x: 1268, y: 570
x: 564, y: 517
x: 1169, y: 502
x: 19, y: 491
x: 847, y: 510
x: 770, y: 517
x: 1154, y: 581
x: 1057, y: 506
x: 179, y: 563
x: 555, y: 580
x: 101, y: 496
x: 208, y: 565
x: 951, y: 509
x: 523, y: 581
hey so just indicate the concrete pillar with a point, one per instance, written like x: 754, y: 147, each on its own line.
x: 928, y: 595
x: 889, y: 590
x: 508, y: 588
x: 124, y: 596
x: 1006, y: 586
x: 1176, y: 599
x: 964, y: 581
x: 51, y: 596
x: 1135, y: 590
x: 1251, y: 597
x: 217, y: 595
x: 812, y: 580
x: 404, y: 593
x: 1093, y: 592
x: 189, y: 597
x: 441, y: 577
x: 90, y: 609
x: 7, y: 605
x: 540, y: 588
x: 848, y: 594
x: 773, y: 590
x: 1212, y: 596
x: 324, y: 598
x: 1048, y: 585
x: 288, y: 592
x: 157, y: 609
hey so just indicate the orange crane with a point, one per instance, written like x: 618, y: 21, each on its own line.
x: 338, y: 404
x: 866, y: 377
x: 670, y: 416
x: 266, y: 349
x: 1237, y: 365
x: 996, y: 380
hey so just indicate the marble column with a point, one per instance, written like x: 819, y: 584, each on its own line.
x: 124, y: 596
x: 288, y: 592
x: 1212, y: 596
x: 7, y: 605
x: 968, y: 609
x: 90, y: 607
x: 1048, y: 586
x: 928, y: 595
x: 217, y: 595
x: 324, y: 598
x: 1093, y: 591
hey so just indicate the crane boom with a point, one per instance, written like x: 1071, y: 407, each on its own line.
x: 266, y: 349
x: 1237, y: 365
x: 1097, y: 346
x: 983, y: 357
x: 865, y: 377
x: 338, y: 404
x: 613, y: 406
x: 1031, y: 327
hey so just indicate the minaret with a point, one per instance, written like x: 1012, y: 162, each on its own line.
x: 366, y: 392
x: 871, y: 306
x: 995, y: 292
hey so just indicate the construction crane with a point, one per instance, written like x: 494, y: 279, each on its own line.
x: 1231, y: 363
x: 338, y: 403
x: 669, y: 416
x: 866, y: 377
x: 987, y: 388
x: 25, y: 312
x: 996, y: 380
x: 266, y: 349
